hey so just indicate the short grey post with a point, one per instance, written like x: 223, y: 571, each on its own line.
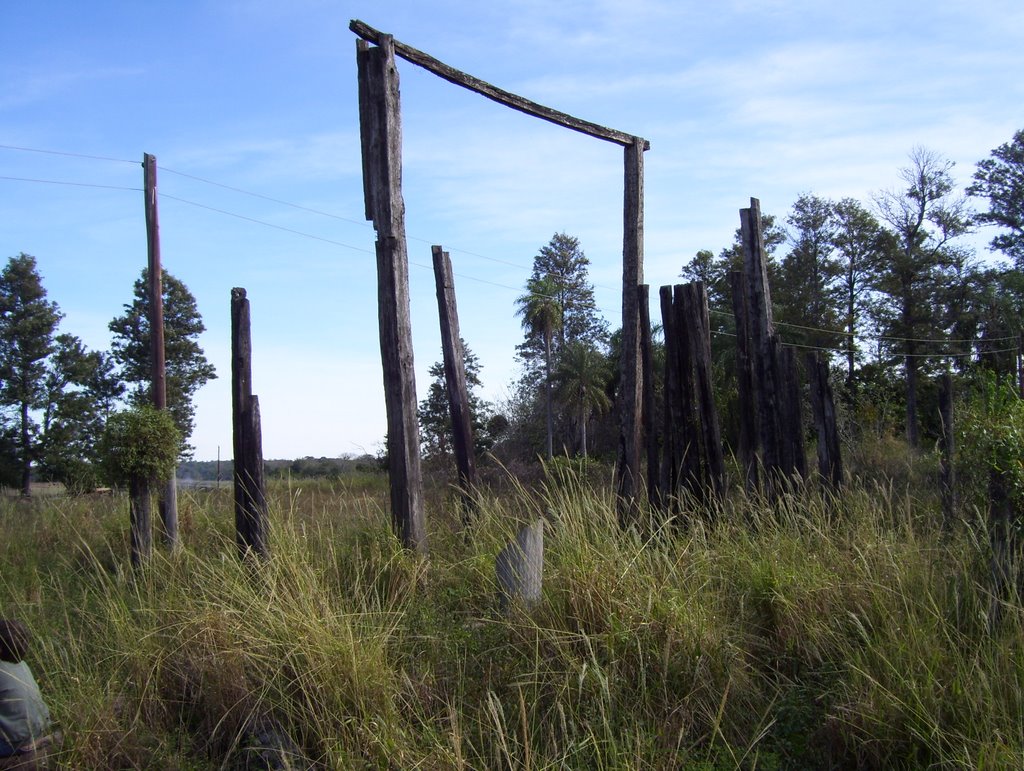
x: 520, y: 567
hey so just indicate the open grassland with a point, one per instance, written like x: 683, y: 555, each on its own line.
x: 846, y: 634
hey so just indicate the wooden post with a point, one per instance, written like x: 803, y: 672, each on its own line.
x: 699, y: 332
x: 630, y: 385
x: 947, y: 446
x: 830, y: 465
x: 168, y: 499
x: 649, y: 408
x: 251, y: 515
x: 671, y: 419
x: 381, y: 137
x: 688, y: 433
x: 455, y: 377
x: 762, y: 334
x: 256, y: 525
x: 745, y: 385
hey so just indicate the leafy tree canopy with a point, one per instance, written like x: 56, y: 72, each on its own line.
x: 187, y: 367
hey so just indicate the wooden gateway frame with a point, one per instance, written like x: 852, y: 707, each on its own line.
x: 381, y: 137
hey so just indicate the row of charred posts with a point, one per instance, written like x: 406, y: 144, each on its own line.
x: 685, y: 457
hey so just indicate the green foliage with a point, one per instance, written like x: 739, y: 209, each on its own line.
x: 27, y: 325
x: 434, y: 413
x: 140, y: 443
x: 990, y: 438
x: 186, y: 365
x: 1000, y: 179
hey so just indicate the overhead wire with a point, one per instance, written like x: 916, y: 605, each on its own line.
x: 319, y: 212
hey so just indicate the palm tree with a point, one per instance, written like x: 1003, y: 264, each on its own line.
x: 582, y: 377
x: 541, y: 311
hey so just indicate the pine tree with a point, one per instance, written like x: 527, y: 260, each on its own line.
x: 27, y: 325
x: 187, y: 367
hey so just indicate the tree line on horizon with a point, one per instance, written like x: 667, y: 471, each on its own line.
x: 888, y: 289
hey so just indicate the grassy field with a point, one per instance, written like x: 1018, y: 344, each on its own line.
x: 810, y: 634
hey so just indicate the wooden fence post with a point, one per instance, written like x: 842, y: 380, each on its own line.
x: 690, y: 472
x: 695, y: 308
x: 649, y: 407
x: 168, y: 493
x: 381, y: 138
x: 630, y: 386
x: 671, y: 453
x: 745, y: 385
x: 830, y: 464
x: 251, y: 515
x: 762, y: 336
x: 455, y: 377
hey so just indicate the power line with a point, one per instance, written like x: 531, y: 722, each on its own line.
x: 67, y: 154
x: 264, y: 197
x: 938, y: 341
x: 71, y: 184
x: 264, y: 223
x: 281, y: 202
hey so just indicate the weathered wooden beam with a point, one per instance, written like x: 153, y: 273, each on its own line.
x: 455, y: 377
x: 506, y: 98
x: 830, y: 465
x: 381, y: 135
x: 630, y: 384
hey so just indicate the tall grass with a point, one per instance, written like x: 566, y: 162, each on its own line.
x: 804, y: 634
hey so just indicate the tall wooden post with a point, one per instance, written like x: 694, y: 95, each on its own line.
x: 699, y: 332
x: 671, y: 454
x: 630, y: 385
x: 251, y: 515
x: 765, y: 379
x: 649, y: 409
x: 158, y: 369
x: 380, y: 130
x: 745, y: 384
x: 455, y: 376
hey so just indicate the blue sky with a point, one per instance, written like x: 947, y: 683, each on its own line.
x: 737, y: 98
